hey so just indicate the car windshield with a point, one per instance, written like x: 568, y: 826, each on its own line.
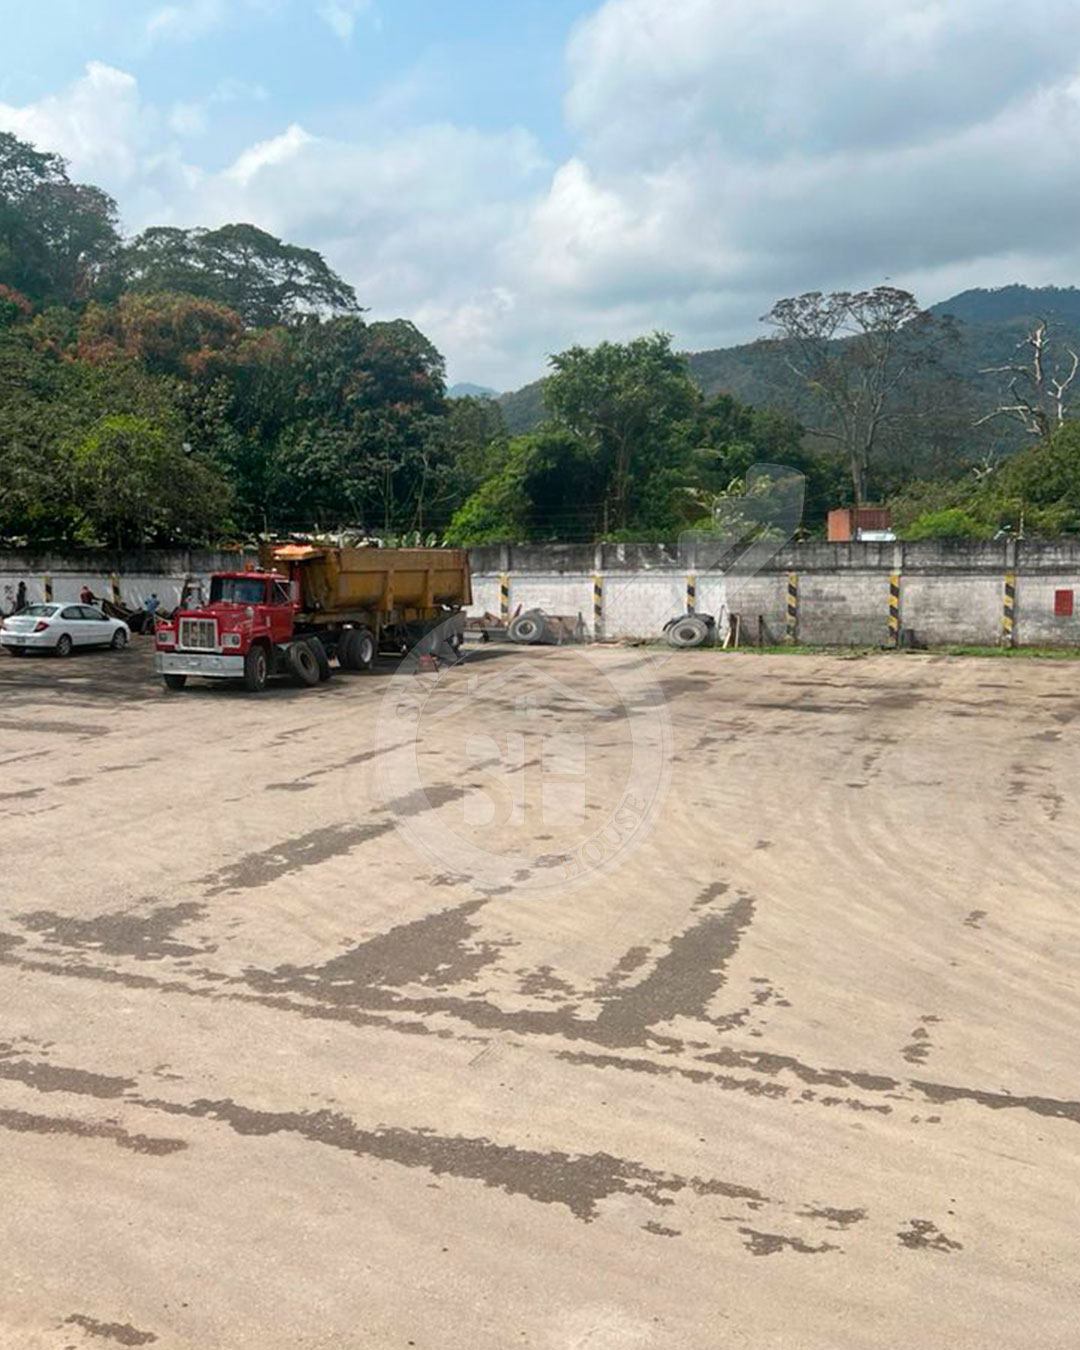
x: 237, y: 591
x: 39, y: 611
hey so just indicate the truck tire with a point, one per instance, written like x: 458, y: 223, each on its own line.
x: 256, y: 670
x: 321, y: 658
x: 356, y: 650
x: 692, y: 630
x: 174, y: 682
x: 303, y: 664
x: 530, y: 627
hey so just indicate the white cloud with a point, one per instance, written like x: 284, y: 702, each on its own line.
x: 724, y: 156
x: 341, y: 16
x: 267, y: 155
x: 97, y: 123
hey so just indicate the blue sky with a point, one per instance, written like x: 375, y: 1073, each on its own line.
x: 518, y: 176
x: 481, y: 63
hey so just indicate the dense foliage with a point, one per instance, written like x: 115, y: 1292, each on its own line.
x: 191, y: 385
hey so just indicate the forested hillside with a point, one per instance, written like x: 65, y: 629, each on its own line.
x: 991, y: 326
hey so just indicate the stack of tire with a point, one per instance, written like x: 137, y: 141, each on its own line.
x: 690, y: 630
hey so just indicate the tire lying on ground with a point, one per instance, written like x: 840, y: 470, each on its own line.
x: 529, y: 627
x: 356, y: 650
x: 692, y: 630
x: 303, y: 664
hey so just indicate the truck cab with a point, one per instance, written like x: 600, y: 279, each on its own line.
x: 243, y: 632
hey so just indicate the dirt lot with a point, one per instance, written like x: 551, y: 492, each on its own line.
x: 534, y: 1008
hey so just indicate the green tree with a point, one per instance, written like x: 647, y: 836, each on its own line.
x: 475, y: 439
x: 953, y: 522
x: 362, y: 444
x: 264, y: 280
x: 1039, y: 489
x: 624, y: 402
x: 133, y: 487
x: 547, y: 488
x: 36, y: 499
x: 59, y: 240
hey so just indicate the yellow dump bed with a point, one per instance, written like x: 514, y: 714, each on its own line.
x: 399, y: 583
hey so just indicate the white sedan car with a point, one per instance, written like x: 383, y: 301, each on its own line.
x: 60, y: 628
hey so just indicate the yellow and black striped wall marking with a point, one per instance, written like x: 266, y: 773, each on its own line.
x: 48, y: 590
x: 1008, y: 622
x: 504, y: 598
x: 598, y: 606
x: 791, y: 627
x: 894, y: 607
x: 691, y: 592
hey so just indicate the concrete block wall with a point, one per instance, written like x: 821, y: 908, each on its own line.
x: 137, y: 573
x: 950, y: 593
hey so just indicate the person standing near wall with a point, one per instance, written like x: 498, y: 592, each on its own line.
x: 151, y: 605
x: 20, y: 597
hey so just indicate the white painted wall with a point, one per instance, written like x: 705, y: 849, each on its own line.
x: 948, y: 594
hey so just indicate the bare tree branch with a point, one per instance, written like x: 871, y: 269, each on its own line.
x: 1037, y: 394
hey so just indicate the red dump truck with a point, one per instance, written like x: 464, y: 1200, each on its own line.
x: 307, y: 605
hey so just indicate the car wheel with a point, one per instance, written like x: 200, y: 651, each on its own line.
x: 256, y: 670
x: 119, y: 640
x: 174, y: 682
x: 63, y: 645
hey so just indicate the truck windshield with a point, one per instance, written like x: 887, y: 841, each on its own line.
x: 237, y: 591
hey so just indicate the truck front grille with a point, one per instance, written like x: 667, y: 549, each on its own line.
x: 199, y: 634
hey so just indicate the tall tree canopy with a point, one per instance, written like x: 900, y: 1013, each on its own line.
x: 59, y: 240
x: 860, y: 353
x: 264, y: 280
x: 622, y: 400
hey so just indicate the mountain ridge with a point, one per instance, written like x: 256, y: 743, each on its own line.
x: 992, y: 322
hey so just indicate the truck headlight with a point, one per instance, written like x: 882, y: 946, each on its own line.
x: 231, y: 640
x: 165, y: 637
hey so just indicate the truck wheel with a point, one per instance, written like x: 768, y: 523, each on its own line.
x: 321, y: 658
x: 256, y: 670
x: 530, y: 627
x: 356, y: 650
x: 303, y: 664
x: 174, y: 682
x: 692, y: 630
